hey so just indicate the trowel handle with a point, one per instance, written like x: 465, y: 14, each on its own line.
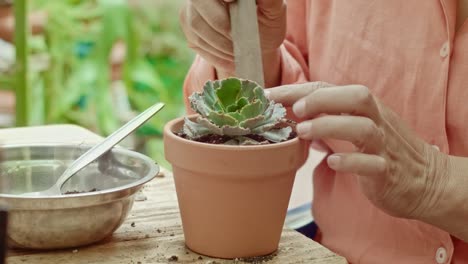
x: 246, y: 41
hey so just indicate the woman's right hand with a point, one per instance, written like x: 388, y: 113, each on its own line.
x: 207, y: 27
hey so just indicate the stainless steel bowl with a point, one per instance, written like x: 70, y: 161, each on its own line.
x: 69, y: 220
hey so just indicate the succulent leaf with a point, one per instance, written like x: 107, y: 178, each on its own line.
x: 248, y: 88
x: 195, y: 130
x: 231, y: 108
x: 228, y: 92
x: 236, y: 108
x: 236, y: 116
x: 273, y: 115
x: 235, y: 131
x: 198, y: 104
x: 252, y: 122
x: 244, y: 141
x: 222, y: 119
x: 207, y: 124
x: 252, y: 110
x: 277, y: 135
x: 260, y: 94
x: 243, y: 101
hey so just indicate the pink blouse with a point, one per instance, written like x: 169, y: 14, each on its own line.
x: 408, y: 53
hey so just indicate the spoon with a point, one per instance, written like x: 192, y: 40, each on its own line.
x: 98, y: 150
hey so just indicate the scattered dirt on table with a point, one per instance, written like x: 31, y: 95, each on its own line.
x: 172, y: 234
x: 140, y: 196
x: 132, y: 224
x: 76, y: 192
x: 259, y: 259
x: 173, y: 258
x: 200, y: 257
x: 158, y: 230
x: 161, y: 174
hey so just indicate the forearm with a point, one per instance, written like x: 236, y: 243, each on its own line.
x: 448, y: 209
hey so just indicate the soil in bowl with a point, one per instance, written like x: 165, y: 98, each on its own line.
x: 76, y: 192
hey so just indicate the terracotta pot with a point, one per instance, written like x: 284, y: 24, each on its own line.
x: 233, y: 199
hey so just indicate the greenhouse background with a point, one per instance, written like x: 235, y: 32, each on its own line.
x: 94, y: 63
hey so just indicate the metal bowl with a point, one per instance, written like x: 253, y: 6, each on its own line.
x: 68, y: 220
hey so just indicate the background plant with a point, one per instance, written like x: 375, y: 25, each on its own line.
x: 65, y: 74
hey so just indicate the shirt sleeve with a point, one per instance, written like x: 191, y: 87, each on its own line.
x: 294, y: 68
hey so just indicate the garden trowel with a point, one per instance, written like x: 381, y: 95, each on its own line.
x: 246, y: 41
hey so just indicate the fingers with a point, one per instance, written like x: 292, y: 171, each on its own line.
x: 195, y: 41
x: 358, y: 163
x: 290, y: 94
x: 215, y: 13
x: 314, y: 98
x: 271, y: 9
x: 204, y: 35
x: 353, y: 100
x: 205, y: 24
x: 361, y: 131
x: 219, y: 63
x: 311, y: 100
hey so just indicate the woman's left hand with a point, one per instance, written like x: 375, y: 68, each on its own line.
x: 397, y: 171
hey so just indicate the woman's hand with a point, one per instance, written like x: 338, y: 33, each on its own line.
x: 397, y: 171
x: 207, y: 27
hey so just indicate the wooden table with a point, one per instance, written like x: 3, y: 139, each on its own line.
x: 152, y: 232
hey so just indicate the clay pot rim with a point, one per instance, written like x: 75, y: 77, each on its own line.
x: 169, y: 133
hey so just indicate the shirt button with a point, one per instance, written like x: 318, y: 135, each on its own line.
x: 445, y: 50
x: 441, y: 255
x: 436, y: 147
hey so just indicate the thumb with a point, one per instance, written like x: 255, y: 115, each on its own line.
x: 271, y: 8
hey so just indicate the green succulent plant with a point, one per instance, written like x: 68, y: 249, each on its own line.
x: 237, y: 109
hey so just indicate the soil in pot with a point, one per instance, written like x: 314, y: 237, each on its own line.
x: 219, y: 139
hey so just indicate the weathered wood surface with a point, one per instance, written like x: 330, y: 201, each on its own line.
x: 152, y: 232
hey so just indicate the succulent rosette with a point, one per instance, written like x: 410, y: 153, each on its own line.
x: 238, y: 109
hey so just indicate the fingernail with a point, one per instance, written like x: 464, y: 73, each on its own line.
x: 299, y: 108
x: 267, y: 93
x: 334, y: 161
x: 303, y: 128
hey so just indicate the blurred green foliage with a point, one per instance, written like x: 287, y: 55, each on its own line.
x: 70, y: 69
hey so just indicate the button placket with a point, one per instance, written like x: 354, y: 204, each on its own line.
x: 441, y: 255
x: 445, y: 50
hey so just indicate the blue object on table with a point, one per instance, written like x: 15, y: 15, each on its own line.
x: 301, y: 220
x: 309, y: 230
x: 3, y: 234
